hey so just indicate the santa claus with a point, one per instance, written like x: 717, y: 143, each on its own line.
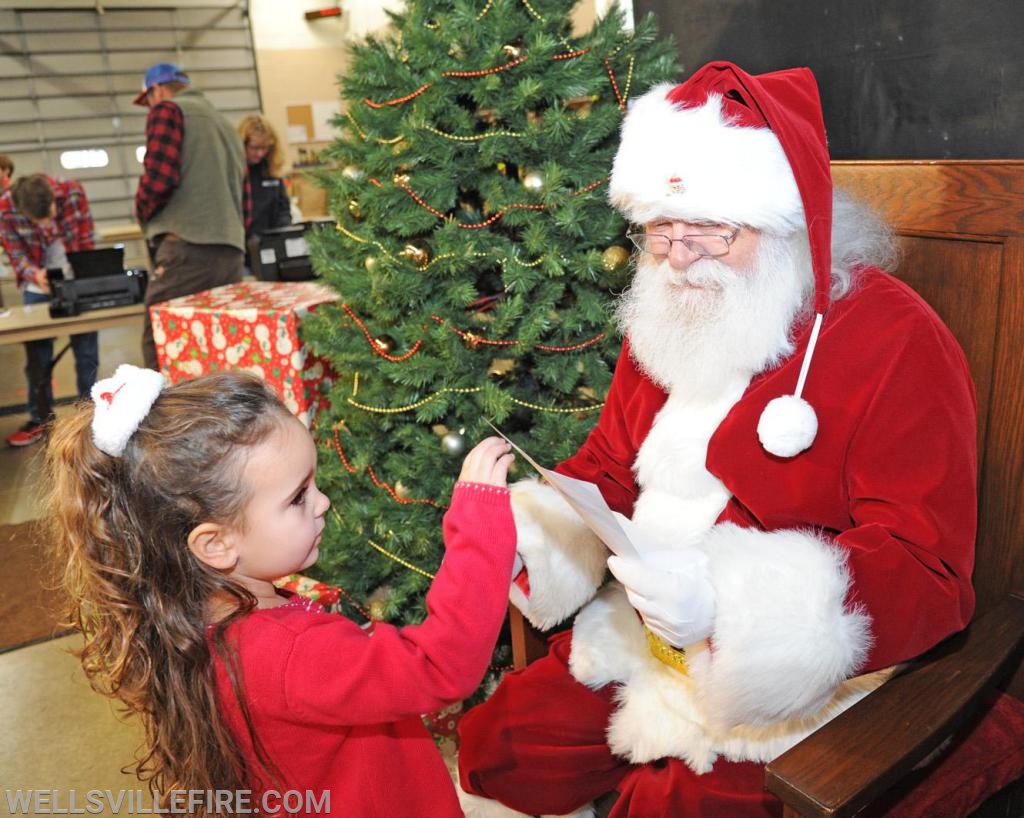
x: 791, y: 431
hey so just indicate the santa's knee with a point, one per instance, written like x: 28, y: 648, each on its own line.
x: 481, y: 748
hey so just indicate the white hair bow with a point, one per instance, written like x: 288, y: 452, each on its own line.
x: 122, y: 402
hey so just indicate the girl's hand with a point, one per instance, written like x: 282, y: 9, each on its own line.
x: 488, y: 462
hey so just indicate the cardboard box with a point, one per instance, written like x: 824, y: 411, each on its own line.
x: 253, y: 326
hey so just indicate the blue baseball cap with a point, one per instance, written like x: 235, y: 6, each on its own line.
x: 159, y: 74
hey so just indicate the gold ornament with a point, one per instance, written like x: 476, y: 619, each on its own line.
x: 370, y: 262
x: 501, y: 366
x: 385, y: 343
x: 455, y: 51
x: 377, y: 601
x: 614, y: 258
x: 402, y: 490
x: 400, y: 178
x: 353, y: 172
x: 512, y: 51
x: 453, y: 444
x: 354, y: 210
x: 416, y: 253
x: 581, y: 105
x: 533, y: 181
x: 487, y: 116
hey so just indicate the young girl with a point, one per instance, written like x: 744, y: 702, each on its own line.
x: 174, y: 509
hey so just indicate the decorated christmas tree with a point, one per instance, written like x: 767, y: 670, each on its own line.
x: 475, y: 256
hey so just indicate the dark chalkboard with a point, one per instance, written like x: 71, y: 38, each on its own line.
x: 899, y: 79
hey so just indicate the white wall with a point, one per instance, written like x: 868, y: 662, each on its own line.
x: 277, y: 25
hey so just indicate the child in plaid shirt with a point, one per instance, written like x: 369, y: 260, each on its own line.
x: 41, y: 219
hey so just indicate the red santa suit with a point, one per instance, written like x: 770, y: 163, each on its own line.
x: 828, y: 567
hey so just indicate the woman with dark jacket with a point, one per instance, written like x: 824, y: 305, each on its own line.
x: 270, y: 204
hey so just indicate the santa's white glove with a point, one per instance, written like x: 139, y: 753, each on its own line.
x: 672, y: 592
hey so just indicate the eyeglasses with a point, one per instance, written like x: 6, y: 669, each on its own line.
x: 708, y: 245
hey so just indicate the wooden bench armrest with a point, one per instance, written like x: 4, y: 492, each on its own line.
x: 861, y: 753
x: 528, y: 643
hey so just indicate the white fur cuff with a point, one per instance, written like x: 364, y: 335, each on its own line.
x: 784, y: 639
x: 565, y: 560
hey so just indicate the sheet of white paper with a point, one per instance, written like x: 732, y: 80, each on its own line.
x: 587, y: 501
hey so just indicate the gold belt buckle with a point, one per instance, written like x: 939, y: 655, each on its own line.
x: 661, y: 650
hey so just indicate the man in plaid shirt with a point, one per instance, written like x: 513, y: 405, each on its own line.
x: 41, y: 219
x: 193, y: 198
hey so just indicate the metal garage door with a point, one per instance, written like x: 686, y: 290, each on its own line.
x: 68, y: 77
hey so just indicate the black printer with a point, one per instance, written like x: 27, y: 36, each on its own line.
x: 283, y: 254
x: 100, y: 281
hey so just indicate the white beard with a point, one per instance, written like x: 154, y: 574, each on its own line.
x: 736, y: 323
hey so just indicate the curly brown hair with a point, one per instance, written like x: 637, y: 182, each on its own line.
x: 120, y: 527
x: 254, y: 125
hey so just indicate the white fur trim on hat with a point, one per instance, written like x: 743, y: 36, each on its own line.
x: 121, y: 403
x: 692, y: 165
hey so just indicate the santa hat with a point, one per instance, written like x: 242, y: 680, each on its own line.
x: 727, y: 146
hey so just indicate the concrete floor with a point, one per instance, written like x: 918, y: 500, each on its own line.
x: 58, y: 735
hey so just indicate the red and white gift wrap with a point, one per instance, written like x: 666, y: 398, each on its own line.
x: 301, y: 585
x: 251, y: 326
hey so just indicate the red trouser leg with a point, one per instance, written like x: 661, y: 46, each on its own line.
x: 538, y: 745
x: 667, y: 788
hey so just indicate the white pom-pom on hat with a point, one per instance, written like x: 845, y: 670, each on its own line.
x: 121, y: 403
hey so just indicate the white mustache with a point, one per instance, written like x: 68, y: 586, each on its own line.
x: 707, y: 274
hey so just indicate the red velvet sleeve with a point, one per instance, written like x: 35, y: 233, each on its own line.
x: 911, y: 482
